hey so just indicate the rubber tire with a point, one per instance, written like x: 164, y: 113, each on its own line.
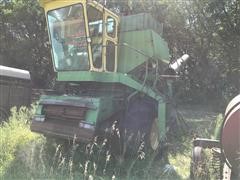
x: 137, y: 124
x: 154, y: 136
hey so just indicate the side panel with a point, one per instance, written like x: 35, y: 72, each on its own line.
x: 161, y: 50
x: 73, y: 116
x: 98, y: 108
x: 140, y: 21
x: 141, y: 46
x: 128, y: 58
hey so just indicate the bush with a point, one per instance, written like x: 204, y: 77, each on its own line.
x: 14, y: 135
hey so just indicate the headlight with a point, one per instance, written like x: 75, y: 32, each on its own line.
x: 39, y: 118
x: 86, y: 125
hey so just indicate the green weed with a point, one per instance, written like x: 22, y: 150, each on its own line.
x: 26, y: 155
x: 14, y: 135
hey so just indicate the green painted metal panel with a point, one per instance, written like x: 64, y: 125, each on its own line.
x: 148, y: 42
x: 128, y: 58
x: 140, y: 21
x: 107, y: 106
x: 84, y: 76
x: 162, y: 119
x: 91, y: 115
x: 39, y: 109
x: 161, y: 50
x: 80, y: 76
x: 104, y: 106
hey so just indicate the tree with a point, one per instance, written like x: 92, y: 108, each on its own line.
x: 24, y: 41
x: 214, y: 25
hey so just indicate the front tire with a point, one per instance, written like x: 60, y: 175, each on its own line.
x: 139, y: 126
x: 154, y: 137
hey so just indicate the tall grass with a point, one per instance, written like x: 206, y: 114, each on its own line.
x: 26, y: 155
x: 14, y: 135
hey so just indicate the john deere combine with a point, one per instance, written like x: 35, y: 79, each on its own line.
x: 109, y: 68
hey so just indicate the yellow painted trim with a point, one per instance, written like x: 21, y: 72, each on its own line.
x: 55, y: 4
x: 109, y: 38
x: 106, y: 13
x: 99, y: 7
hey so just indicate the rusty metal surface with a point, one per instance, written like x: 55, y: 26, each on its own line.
x: 63, y: 131
x: 65, y: 112
x: 69, y: 102
x: 206, y: 143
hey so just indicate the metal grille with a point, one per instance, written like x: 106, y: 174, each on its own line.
x: 68, y: 114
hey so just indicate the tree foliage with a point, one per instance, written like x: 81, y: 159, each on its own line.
x: 211, y: 32
x: 23, y: 39
x: 208, y: 30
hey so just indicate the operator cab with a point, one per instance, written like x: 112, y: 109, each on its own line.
x: 83, y: 37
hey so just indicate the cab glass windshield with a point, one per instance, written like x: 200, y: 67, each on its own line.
x: 68, y: 38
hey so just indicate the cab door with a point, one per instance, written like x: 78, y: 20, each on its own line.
x: 110, y: 41
x: 103, y: 26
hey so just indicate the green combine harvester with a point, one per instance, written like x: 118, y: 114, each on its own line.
x: 109, y: 68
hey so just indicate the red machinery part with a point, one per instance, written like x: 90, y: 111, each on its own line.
x: 230, y: 135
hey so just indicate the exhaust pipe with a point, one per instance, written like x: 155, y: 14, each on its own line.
x: 176, y: 66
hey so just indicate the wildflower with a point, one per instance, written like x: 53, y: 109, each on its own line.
x: 61, y: 163
x: 113, y: 127
x: 104, y: 142
x: 94, y: 167
x: 108, y: 156
x: 91, y: 149
x: 113, y: 177
x: 141, y: 147
x: 86, y: 168
x: 141, y: 155
x: 90, y: 177
x: 118, y: 132
x: 57, y: 149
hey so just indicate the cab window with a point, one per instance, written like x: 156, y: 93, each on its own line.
x: 111, y: 27
x: 68, y: 38
x: 110, y: 56
x: 95, y: 24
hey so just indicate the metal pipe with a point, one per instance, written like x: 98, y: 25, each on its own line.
x: 176, y: 65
